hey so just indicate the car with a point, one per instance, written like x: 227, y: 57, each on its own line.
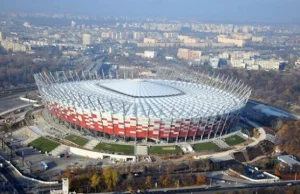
x: 289, y: 184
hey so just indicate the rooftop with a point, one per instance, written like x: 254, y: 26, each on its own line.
x: 145, y: 98
x: 140, y: 88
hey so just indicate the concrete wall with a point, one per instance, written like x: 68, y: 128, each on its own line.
x: 273, y: 179
x: 91, y: 154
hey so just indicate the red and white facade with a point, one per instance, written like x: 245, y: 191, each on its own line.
x: 146, y: 108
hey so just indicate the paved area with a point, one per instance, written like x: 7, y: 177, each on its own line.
x: 229, y: 152
x: 242, y: 135
x: 221, y: 143
x: 270, y: 138
x: 91, y: 144
x: 24, y: 135
x: 141, y: 150
x: 11, y: 102
x: 33, y: 158
x: 61, y: 149
x: 187, y: 148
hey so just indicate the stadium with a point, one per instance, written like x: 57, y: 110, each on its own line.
x: 172, y: 107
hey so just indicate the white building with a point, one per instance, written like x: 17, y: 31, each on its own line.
x: 86, y: 39
x: 289, y: 160
x: 73, y: 24
x: 214, y: 62
x: 237, y: 63
x: 268, y: 64
x: 150, y: 54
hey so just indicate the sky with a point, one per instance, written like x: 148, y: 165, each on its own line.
x: 279, y: 11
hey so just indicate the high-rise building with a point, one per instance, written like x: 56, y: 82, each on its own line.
x: 1, y: 36
x: 86, y: 39
x: 73, y: 24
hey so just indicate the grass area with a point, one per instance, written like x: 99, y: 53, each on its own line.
x: 234, y: 140
x: 125, y: 149
x: 77, y: 139
x: 44, y: 144
x: 164, y: 150
x: 205, y: 146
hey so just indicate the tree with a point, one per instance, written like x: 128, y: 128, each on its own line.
x: 277, y: 170
x: 149, y: 182
x: 201, y: 179
x: 165, y: 180
x: 95, y: 181
x: 111, y: 177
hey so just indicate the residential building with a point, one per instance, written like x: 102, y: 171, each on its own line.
x: 237, y: 63
x: 188, y: 54
x: 187, y: 39
x: 289, y: 160
x: 257, y: 39
x: 14, y: 46
x: 268, y: 64
x: 86, y: 39
x: 150, y: 40
x: 226, y: 40
x: 150, y: 54
x: 214, y: 62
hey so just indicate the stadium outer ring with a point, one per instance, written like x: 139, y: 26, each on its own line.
x: 133, y: 127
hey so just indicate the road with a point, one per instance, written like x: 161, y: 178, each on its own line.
x: 13, y: 178
x: 12, y: 101
x: 214, y: 189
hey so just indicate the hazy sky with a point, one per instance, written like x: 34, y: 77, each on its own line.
x: 206, y: 10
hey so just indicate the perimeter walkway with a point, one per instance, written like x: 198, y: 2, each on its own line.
x: 229, y: 152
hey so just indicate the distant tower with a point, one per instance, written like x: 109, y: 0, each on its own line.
x: 73, y: 24
x: 1, y: 36
x: 86, y: 39
x: 65, y: 186
x: 110, y: 50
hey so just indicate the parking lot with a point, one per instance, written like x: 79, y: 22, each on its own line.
x: 31, y: 165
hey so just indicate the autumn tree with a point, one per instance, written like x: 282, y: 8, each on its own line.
x: 201, y: 179
x: 111, y: 177
x: 95, y: 181
x: 149, y: 182
x: 165, y: 180
x: 277, y: 170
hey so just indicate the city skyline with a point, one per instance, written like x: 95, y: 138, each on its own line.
x: 274, y: 11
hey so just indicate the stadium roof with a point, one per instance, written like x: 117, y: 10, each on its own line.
x: 140, y: 88
x: 146, y: 97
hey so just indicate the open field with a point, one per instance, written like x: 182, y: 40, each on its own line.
x: 205, y: 146
x: 77, y: 139
x: 234, y: 140
x: 125, y: 149
x: 162, y: 150
x: 44, y: 144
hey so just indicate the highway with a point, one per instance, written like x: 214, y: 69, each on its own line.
x: 214, y: 188
x: 7, y: 172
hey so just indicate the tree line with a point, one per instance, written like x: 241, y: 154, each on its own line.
x: 136, y: 177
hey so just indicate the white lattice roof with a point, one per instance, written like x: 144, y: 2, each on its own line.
x: 147, y: 97
x: 140, y: 88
